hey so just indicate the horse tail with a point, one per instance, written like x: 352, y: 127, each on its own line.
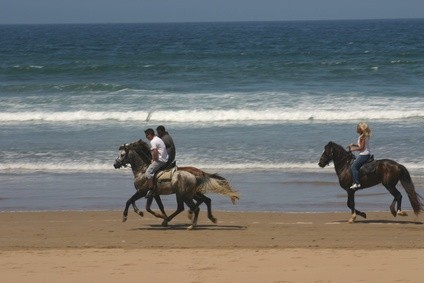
x: 415, y: 199
x: 214, y: 183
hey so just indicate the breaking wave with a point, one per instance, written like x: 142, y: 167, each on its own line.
x: 213, y: 116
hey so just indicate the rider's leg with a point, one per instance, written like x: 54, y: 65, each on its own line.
x: 151, y: 174
x: 354, y: 169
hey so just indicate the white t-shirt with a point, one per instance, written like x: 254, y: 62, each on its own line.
x: 157, y: 143
x: 366, y: 150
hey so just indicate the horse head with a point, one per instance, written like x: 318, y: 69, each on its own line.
x: 122, y: 159
x: 336, y: 153
x: 126, y: 152
x: 327, y: 155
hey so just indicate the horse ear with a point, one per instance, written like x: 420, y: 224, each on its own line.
x: 331, y: 145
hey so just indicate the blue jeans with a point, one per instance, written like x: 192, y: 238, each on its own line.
x: 153, y: 167
x: 354, y: 169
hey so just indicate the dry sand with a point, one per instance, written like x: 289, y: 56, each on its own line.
x: 241, y: 247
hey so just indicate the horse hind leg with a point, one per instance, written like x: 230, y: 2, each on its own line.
x: 397, y: 199
x: 196, y: 210
x: 201, y: 198
x: 208, y: 203
x: 180, y: 208
x: 159, y: 202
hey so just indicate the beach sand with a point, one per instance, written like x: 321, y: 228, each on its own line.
x: 95, y: 246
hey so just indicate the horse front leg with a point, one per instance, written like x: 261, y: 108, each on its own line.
x: 136, y: 210
x: 160, y: 204
x: 351, y: 205
x: 180, y: 208
x: 131, y: 201
x: 161, y: 207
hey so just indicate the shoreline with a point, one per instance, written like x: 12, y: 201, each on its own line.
x: 72, y: 246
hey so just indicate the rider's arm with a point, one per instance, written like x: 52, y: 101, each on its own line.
x: 155, y: 154
x: 358, y: 147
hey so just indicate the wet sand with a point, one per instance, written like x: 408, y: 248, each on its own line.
x: 241, y: 247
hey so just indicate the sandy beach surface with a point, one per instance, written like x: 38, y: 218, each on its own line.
x: 95, y: 246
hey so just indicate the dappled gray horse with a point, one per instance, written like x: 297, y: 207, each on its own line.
x: 188, y: 183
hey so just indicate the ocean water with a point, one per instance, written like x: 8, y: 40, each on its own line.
x: 253, y: 101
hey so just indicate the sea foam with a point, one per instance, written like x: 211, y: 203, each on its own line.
x: 212, y: 116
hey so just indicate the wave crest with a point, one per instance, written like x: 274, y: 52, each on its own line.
x: 212, y: 116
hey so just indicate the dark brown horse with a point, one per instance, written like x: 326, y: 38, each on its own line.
x: 384, y: 171
x: 188, y: 183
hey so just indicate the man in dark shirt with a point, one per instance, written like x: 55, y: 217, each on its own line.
x: 169, y: 143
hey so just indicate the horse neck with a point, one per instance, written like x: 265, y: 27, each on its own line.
x: 341, y: 160
x: 137, y: 164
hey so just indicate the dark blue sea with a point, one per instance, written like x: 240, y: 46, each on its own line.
x: 253, y: 101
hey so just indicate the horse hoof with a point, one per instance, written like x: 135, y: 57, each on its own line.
x: 140, y: 213
x: 352, y: 219
x: 214, y: 220
x: 191, y: 227
x: 363, y: 215
x: 165, y: 224
x: 124, y: 219
x: 393, y: 212
x: 401, y: 213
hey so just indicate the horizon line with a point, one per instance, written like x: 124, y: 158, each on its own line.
x: 204, y: 22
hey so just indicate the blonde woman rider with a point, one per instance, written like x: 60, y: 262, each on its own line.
x: 364, y: 152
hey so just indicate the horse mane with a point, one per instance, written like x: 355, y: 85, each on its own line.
x: 337, y: 146
x: 340, y: 149
x: 141, y: 148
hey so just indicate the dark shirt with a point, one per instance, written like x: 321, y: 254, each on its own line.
x: 170, y: 147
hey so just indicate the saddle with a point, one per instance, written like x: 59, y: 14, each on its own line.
x: 162, y: 175
x: 165, y: 173
x: 371, y: 159
x: 368, y: 167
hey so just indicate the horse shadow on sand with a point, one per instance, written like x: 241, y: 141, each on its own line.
x: 384, y: 221
x: 183, y: 227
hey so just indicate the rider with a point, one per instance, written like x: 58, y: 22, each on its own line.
x: 169, y: 143
x: 364, y: 152
x: 159, y: 157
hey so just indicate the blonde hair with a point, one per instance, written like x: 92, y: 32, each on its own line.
x: 365, y: 130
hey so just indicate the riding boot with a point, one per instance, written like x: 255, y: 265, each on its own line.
x: 151, y: 187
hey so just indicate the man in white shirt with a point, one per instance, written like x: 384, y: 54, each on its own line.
x: 159, y: 157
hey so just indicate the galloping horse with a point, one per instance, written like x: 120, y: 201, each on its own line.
x: 187, y: 183
x: 384, y: 171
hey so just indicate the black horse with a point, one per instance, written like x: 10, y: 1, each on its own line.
x: 384, y: 171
